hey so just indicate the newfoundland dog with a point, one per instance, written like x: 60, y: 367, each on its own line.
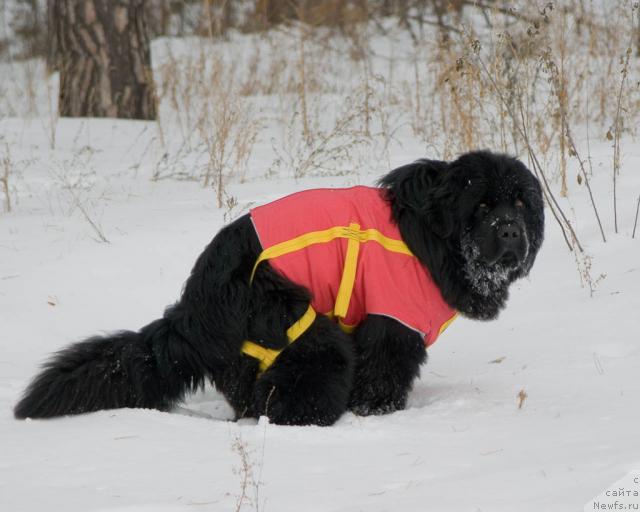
x: 321, y: 302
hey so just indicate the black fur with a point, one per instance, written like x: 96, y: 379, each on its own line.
x: 388, y: 359
x: 325, y: 372
x: 436, y: 204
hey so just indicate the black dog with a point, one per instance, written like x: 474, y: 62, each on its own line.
x: 476, y: 224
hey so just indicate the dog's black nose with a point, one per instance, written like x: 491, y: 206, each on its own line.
x: 509, y: 233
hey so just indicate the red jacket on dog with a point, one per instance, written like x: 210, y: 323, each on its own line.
x: 342, y: 245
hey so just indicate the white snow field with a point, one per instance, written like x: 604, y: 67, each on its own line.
x: 537, y: 411
x: 462, y: 444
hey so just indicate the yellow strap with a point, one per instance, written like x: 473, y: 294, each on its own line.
x: 391, y: 244
x: 319, y: 237
x: 299, y: 328
x: 267, y: 356
x: 344, y: 327
x: 348, y: 274
x: 355, y: 237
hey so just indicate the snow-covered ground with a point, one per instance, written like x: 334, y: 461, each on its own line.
x: 462, y: 444
x: 537, y: 411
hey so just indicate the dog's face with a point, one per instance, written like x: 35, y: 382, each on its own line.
x: 500, y: 219
x: 476, y: 223
x: 498, y: 233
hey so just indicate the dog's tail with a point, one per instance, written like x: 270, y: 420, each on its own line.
x: 151, y: 368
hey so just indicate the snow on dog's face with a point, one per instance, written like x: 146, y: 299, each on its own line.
x: 501, y: 214
x: 476, y: 223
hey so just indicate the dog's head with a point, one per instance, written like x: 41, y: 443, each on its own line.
x: 500, y: 217
x: 477, y: 223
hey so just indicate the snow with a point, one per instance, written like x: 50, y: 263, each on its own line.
x: 463, y: 443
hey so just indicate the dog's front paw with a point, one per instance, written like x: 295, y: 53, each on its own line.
x: 367, y: 410
x: 367, y: 402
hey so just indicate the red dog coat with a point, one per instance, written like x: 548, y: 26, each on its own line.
x: 342, y: 245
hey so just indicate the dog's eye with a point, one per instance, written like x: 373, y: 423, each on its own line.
x: 519, y: 203
x: 483, y: 207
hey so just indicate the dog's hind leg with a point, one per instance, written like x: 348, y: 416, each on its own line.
x: 198, y: 338
x: 310, y: 381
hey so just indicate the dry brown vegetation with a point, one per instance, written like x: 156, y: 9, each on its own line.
x: 336, y: 87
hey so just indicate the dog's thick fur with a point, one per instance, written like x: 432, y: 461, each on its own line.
x: 446, y: 213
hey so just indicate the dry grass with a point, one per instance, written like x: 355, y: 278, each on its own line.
x: 6, y: 168
x: 244, y: 472
x: 215, y: 121
x: 76, y: 180
x: 249, y: 482
x: 618, y: 120
x: 523, y: 84
x: 320, y: 98
x: 229, y: 130
x: 321, y: 151
x: 520, y: 86
x: 522, y: 396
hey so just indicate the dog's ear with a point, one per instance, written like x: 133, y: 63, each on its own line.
x: 422, y: 188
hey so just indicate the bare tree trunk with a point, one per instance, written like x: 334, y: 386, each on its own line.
x: 103, y: 58
x: 52, y: 38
